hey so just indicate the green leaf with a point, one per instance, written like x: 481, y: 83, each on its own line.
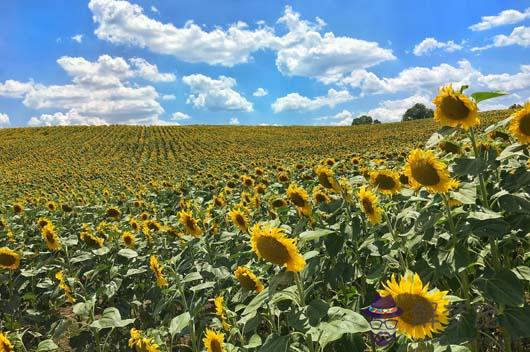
x: 131, y: 272
x: 496, y: 228
x: 314, y: 234
x: 111, y: 318
x: 316, y: 310
x: 253, y: 342
x: 468, y: 166
x: 127, y: 253
x: 203, y: 286
x: 502, y: 286
x: 256, y: 302
x: 517, y: 321
x: 481, y: 96
x: 192, y: 277
x: 275, y: 343
x: 342, y: 321
x: 178, y: 323
x: 47, y: 345
x: 81, y: 258
x: 514, y: 203
x: 460, y: 330
x: 522, y: 272
x: 439, y: 135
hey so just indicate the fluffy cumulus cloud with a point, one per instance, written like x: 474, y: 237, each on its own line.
x: 215, y: 94
x: 100, y: 93
x: 393, y: 110
x: 503, y: 18
x: 168, y: 97
x: 343, y: 118
x: 178, y: 116
x: 519, y: 36
x: 302, y: 51
x: 234, y: 121
x: 15, y: 89
x: 121, y: 22
x: 4, y: 120
x: 260, y: 92
x: 428, y: 45
x: 299, y: 103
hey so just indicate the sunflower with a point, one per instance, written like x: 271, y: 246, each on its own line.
x: 52, y: 206
x: 520, y: 125
x: 455, y: 109
x: 129, y: 239
x: 142, y: 344
x: 157, y: 269
x: 214, y: 341
x: 298, y: 196
x: 9, y: 259
x: 320, y: 196
x: 386, y: 181
x: 190, y: 224
x: 50, y: 237
x: 221, y: 312
x: 424, y: 311
x: 5, y: 344
x: 279, y: 203
x: 89, y: 238
x: 64, y: 286
x: 113, y: 212
x: 42, y: 222
x: 370, y: 205
x: 239, y: 218
x: 423, y: 169
x: 326, y: 178
x: 219, y: 201
x: 134, y: 224
x: 271, y: 244
x: 18, y: 208
x: 248, y: 280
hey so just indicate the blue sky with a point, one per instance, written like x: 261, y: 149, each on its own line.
x: 251, y: 62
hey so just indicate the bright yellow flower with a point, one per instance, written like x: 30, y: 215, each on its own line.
x: 239, y: 218
x: 50, y: 237
x: 64, y: 286
x: 424, y: 169
x: 5, y: 344
x: 370, y: 205
x: 214, y: 341
x: 220, y: 312
x: 455, y: 109
x: 248, y: 280
x: 326, y: 178
x: 520, y: 125
x: 385, y: 181
x: 9, y: 259
x: 140, y: 343
x: 158, y: 271
x: 298, y: 196
x: 189, y: 223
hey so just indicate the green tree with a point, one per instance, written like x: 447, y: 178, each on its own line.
x: 362, y: 120
x: 418, y: 112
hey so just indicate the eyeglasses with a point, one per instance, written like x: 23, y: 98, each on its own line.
x: 378, y: 324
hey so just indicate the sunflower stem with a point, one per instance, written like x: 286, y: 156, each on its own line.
x: 403, y: 252
x: 483, y: 191
x: 450, y: 218
x: 300, y: 287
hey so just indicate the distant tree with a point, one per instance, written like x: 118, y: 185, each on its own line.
x: 515, y: 106
x: 418, y: 112
x: 362, y: 120
x: 376, y: 122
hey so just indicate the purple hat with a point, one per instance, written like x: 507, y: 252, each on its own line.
x: 382, y: 308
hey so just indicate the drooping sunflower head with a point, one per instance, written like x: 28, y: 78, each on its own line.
x: 370, y: 205
x: 326, y: 178
x: 520, y: 125
x: 9, y: 259
x: 5, y: 344
x: 190, y: 224
x: 279, y: 203
x: 298, y: 196
x: 50, y: 237
x: 128, y: 239
x: 113, y: 212
x: 320, y: 196
x: 221, y: 312
x: 240, y: 218
x: 248, y: 280
x: 271, y: 244
x: 92, y: 240
x: 386, y: 181
x: 214, y: 341
x: 424, y: 311
x: 424, y: 169
x: 455, y: 109
x: 43, y: 221
x: 219, y: 200
x: 157, y: 270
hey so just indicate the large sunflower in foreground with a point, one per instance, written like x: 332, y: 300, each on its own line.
x: 520, y: 125
x: 5, y: 344
x: 271, y: 244
x: 386, y: 181
x: 424, y: 169
x: 298, y: 196
x: 248, y: 280
x: 370, y: 205
x: 424, y: 311
x: 9, y: 259
x: 455, y: 109
x: 190, y: 224
x: 214, y: 341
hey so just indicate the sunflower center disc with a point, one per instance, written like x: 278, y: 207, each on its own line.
x: 298, y: 200
x: 240, y: 220
x: 273, y: 250
x: 247, y: 282
x: 216, y: 346
x: 324, y: 180
x: 190, y: 224
x: 454, y: 108
x: 384, y: 182
x: 417, y: 310
x: 524, y: 125
x: 367, y: 205
x: 425, y: 173
x: 7, y: 260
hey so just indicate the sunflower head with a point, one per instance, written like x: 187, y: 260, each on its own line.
x: 370, y: 205
x: 247, y: 279
x: 214, y: 341
x: 190, y: 224
x: 279, y: 203
x: 9, y: 259
x: 423, y: 311
x: 113, y: 212
x: 50, y: 237
x: 326, y: 178
x: 272, y: 245
x: 52, y: 206
x: 320, y: 196
x: 424, y: 169
x: 157, y: 270
x: 520, y: 125
x: 455, y: 109
x: 386, y: 181
x: 18, y: 208
x: 298, y: 196
x: 5, y: 344
x: 221, y: 312
x: 128, y: 239
x: 239, y: 218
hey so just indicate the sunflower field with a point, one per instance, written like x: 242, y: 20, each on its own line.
x: 410, y: 236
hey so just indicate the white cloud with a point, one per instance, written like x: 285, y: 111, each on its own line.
x: 168, y: 97
x: 343, y: 118
x: 297, y: 102
x: 121, y: 22
x: 519, y: 36
x: 177, y: 116
x: 154, y: 9
x: 234, y: 121
x: 260, y: 92
x: 149, y: 71
x: 503, y: 18
x: 393, y: 110
x: 507, y: 82
x: 15, y: 89
x: 77, y: 38
x: 4, y: 119
x: 428, y: 45
x: 215, y: 94
x: 303, y: 51
x: 71, y: 117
